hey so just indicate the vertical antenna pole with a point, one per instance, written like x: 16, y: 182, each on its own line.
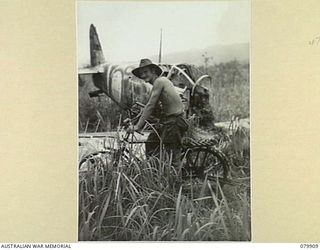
x: 160, y: 50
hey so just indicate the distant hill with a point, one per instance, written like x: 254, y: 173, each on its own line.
x: 220, y: 53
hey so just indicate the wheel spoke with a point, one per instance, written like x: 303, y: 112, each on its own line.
x: 205, y: 161
x: 195, y: 161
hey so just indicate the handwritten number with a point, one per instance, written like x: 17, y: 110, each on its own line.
x: 315, y: 41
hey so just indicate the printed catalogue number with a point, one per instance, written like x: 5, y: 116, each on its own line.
x: 309, y: 245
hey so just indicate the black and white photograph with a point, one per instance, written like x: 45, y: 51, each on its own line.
x: 164, y: 120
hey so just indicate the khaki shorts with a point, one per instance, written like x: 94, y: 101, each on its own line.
x: 171, y: 130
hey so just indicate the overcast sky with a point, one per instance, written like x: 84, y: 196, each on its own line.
x: 129, y: 31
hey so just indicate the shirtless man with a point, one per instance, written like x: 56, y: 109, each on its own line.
x: 173, y: 125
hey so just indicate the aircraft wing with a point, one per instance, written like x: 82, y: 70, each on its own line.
x: 88, y: 71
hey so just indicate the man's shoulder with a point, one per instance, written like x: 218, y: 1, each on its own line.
x: 162, y: 80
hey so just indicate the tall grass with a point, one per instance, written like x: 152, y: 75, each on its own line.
x: 229, y: 89
x: 95, y: 114
x: 145, y: 201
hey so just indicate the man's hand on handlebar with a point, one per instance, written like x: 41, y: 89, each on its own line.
x: 130, y: 128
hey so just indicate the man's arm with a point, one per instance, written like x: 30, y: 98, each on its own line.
x: 154, y: 98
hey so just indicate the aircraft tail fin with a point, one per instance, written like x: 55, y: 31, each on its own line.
x: 96, y: 54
